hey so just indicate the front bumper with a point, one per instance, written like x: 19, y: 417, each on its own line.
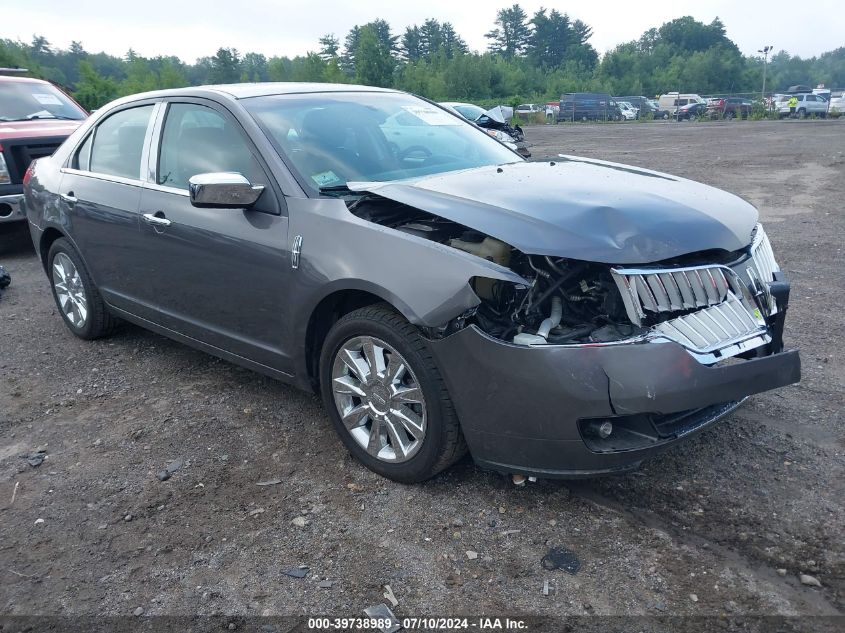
x: 523, y: 409
x: 11, y: 209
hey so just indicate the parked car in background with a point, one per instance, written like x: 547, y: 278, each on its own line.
x: 822, y: 92
x: 691, y: 111
x: 729, y: 108
x: 496, y: 122
x: 562, y: 318
x: 35, y: 118
x: 671, y: 101
x: 645, y: 107
x: 808, y: 105
x: 527, y: 109
x: 588, y: 106
x: 837, y: 102
x: 656, y: 111
x: 629, y: 112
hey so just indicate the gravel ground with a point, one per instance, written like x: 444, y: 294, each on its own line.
x: 723, y: 524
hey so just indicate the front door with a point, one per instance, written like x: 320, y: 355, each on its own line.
x: 216, y: 275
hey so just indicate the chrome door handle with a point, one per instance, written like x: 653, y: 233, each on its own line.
x: 69, y: 198
x: 149, y: 218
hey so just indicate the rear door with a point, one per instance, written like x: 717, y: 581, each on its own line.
x: 101, y: 191
x: 219, y: 276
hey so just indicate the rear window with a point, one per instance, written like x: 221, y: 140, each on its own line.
x: 119, y: 143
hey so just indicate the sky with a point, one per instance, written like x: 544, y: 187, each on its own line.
x: 195, y: 28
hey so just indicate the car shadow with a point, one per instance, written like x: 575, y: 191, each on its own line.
x: 15, y: 239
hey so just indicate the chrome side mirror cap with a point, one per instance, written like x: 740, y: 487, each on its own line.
x: 229, y: 190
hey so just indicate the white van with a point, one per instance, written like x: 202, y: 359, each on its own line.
x: 671, y: 101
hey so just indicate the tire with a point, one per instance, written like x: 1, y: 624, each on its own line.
x: 76, y: 296
x: 802, y: 113
x: 729, y: 116
x: 406, y: 448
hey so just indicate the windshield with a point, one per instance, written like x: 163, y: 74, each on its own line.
x: 333, y: 138
x: 22, y: 100
x: 469, y: 112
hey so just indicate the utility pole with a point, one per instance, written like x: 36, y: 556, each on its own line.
x: 765, y: 50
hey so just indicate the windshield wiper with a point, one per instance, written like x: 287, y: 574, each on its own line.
x: 340, y: 189
x: 33, y: 117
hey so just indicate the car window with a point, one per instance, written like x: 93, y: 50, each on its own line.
x: 31, y: 100
x: 470, y: 112
x: 118, y: 143
x: 371, y: 137
x: 199, y: 140
x: 83, y: 155
x: 811, y: 98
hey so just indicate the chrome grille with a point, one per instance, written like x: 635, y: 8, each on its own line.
x: 713, y: 309
x: 671, y: 289
x: 713, y: 327
x: 763, y: 255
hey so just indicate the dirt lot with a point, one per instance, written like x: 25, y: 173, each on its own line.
x: 703, y: 529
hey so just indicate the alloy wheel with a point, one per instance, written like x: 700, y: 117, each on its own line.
x: 379, y: 399
x: 69, y: 290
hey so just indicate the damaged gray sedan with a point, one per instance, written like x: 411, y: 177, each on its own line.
x: 561, y: 318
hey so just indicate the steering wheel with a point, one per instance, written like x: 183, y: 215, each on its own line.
x: 415, y: 149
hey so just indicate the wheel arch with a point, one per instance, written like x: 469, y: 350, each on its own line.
x: 337, y: 303
x: 50, y: 235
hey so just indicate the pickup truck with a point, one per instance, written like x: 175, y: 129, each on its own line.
x: 35, y: 118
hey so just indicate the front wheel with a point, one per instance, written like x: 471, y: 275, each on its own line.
x: 386, y: 398
x: 802, y: 113
x: 77, y: 298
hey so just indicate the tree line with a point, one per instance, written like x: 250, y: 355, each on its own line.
x: 528, y: 58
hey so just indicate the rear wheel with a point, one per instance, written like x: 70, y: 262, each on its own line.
x: 386, y: 398
x: 76, y: 296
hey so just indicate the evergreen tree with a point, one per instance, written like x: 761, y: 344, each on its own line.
x: 512, y: 33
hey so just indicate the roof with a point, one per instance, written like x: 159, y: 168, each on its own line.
x: 17, y: 78
x: 246, y: 90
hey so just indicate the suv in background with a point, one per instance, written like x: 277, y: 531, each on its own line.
x: 588, y: 106
x: 808, y: 104
x: 35, y: 118
x: 729, y: 108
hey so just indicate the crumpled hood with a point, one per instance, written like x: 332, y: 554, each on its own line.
x: 582, y: 209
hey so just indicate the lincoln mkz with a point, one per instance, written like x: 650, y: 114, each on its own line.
x: 562, y: 318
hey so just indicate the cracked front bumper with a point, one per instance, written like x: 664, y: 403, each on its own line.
x: 522, y: 409
x: 11, y: 209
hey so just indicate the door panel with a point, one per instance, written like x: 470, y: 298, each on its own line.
x: 104, y: 225
x: 217, y: 275
x: 101, y: 192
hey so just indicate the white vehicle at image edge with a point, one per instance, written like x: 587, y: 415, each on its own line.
x: 837, y: 103
x: 808, y: 104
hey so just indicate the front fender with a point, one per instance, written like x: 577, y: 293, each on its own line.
x: 426, y: 281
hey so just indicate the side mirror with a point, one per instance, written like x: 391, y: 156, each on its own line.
x: 223, y: 190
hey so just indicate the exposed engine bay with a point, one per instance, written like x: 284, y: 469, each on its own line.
x: 567, y: 301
